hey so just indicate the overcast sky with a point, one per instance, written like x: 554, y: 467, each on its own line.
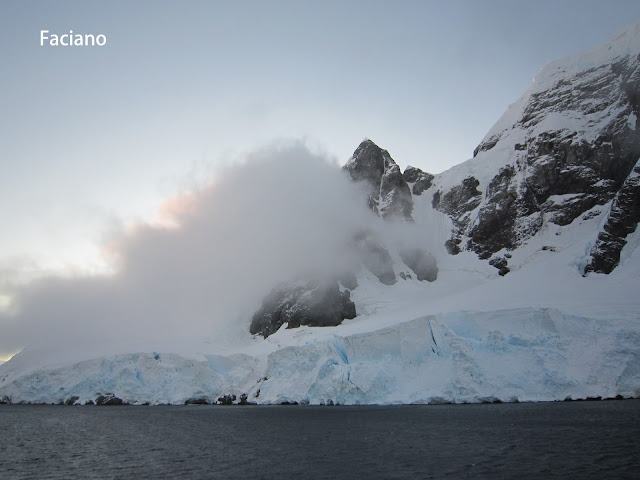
x: 91, y: 137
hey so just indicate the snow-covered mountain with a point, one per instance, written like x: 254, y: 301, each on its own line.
x: 512, y: 276
x: 566, y: 151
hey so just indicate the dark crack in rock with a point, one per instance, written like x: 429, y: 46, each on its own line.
x: 622, y: 221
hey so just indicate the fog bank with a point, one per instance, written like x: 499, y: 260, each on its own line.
x: 198, y: 274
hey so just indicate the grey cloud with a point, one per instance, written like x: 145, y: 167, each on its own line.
x: 282, y: 212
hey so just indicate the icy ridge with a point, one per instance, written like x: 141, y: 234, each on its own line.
x: 624, y: 43
x: 574, y: 132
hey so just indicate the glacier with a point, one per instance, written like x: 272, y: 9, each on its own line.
x: 526, y: 354
x: 555, y: 335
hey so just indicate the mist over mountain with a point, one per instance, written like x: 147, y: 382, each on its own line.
x: 284, y: 212
x: 512, y: 276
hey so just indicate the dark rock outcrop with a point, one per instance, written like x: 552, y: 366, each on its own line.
x: 458, y: 203
x: 227, y: 399
x: 388, y: 193
x: 460, y: 199
x: 509, y: 215
x: 109, y: 399
x: 622, y: 220
x: 563, y: 211
x: 313, y: 303
x: 501, y: 264
x: 419, y: 180
x: 488, y: 144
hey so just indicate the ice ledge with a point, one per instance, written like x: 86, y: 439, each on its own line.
x: 528, y: 354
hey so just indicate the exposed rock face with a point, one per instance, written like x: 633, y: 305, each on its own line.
x: 567, y: 146
x: 501, y: 264
x: 418, y: 180
x: 622, y: 221
x: 227, y: 399
x: 458, y: 203
x: 312, y: 303
x: 460, y: 199
x: 509, y: 215
x: 422, y: 263
x: 109, y: 399
x: 388, y: 192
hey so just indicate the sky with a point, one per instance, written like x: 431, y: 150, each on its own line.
x: 95, y: 139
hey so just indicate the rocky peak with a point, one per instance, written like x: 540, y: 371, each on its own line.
x: 567, y: 148
x: 388, y: 192
x: 321, y: 302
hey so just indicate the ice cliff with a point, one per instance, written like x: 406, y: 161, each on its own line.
x: 527, y: 354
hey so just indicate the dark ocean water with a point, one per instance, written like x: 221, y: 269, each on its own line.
x: 535, y: 440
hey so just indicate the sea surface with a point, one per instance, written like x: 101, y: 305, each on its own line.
x: 526, y: 440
